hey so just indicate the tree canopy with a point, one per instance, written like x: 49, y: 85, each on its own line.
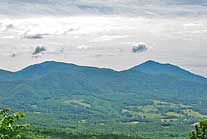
x: 200, y: 131
x: 8, y: 127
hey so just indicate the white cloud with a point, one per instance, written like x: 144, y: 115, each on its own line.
x: 109, y: 38
x: 8, y: 37
x: 84, y: 47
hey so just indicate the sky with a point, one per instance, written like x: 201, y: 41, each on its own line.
x: 116, y: 34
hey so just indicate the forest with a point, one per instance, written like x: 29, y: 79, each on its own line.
x: 11, y: 128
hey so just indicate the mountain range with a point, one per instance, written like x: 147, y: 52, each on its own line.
x: 91, y: 96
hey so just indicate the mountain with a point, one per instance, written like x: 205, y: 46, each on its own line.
x: 104, y: 100
x: 5, y: 75
x: 155, y: 68
x: 54, y: 67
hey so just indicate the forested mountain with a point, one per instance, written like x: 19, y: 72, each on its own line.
x: 142, y: 100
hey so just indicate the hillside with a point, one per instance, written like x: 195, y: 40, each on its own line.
x: 142, y: 100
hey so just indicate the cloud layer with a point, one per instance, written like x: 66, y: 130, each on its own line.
x: 120, y: 7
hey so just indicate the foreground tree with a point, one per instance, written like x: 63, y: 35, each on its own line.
x: 8, y: 128
x: 200, y: 131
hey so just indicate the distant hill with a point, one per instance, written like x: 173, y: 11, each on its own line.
x: 67, y: 94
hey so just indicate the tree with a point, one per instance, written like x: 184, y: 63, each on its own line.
x: 8, y: 128
x: 200, y: 131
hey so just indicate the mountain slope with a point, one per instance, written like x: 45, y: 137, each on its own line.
x: 5, y: 75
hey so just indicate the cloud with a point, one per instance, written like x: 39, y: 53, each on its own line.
x: 8, y: 37
x: 126, y: 7
x: 139, y: 47
x: 84, y: 47
x: 9, y: 26
x: 39, y: 50
x: 35, y: 36
x: 35, y: 32
x: 13, y: 55
x: 109, y: 38
x: 55, y: 51
x: 98, y: 55
x: 6, y: 26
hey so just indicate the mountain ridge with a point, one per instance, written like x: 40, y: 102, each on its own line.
x: 146, y: 67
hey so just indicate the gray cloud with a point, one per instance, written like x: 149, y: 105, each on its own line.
x: 13, y: 55
x: 139, y: 47
x: 9, y: 26
x: 35, y: 36
x: 98, y: 55
x: 38, y: 50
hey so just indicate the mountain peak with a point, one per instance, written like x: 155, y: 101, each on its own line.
x: 156, y: 68
x: 51, y: 67
x: 46, y: 63
x: 151, y: 65
x: 47, y: 67
x: 150, y: 62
